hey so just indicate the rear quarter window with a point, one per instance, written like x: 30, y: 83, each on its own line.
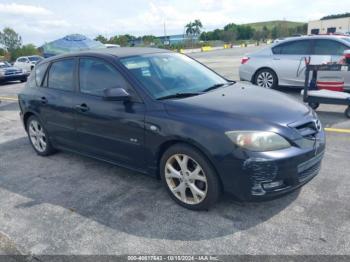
x: 39, y: 73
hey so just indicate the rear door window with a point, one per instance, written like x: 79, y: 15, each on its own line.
x: 329, y: 47
x: 40, y: 71
x: 301, y: 47
x: 61, y: 75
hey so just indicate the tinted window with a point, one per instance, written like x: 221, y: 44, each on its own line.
x: 61, y: 75
x: 329, y: 47
x: 96, y: 75
x: 22, y: 60
x: 40, y: 73
x: 34, y: 58
x: 293, y: 48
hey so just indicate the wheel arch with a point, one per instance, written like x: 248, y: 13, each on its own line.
x: 262, y: 68
x: 26, y: 116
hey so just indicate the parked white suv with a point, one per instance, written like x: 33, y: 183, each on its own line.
x: 27, y: 62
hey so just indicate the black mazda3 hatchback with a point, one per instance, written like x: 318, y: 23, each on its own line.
x: 166, y: 115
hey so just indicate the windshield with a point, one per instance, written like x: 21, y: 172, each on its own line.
x: 34, y: 58
x: 4, y: 64
x: 169, y: 74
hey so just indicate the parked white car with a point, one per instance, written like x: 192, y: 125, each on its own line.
x: 27, y: 62
x: 283, y: 64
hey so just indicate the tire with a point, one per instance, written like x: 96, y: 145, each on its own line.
x: 23, y: 80
x: 38, y: 137
x: 266, y: 78
x: 195, y: 185
x: 314, y: 105
x: 347, y: 112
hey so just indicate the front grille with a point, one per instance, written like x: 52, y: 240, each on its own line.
x: 310, y: 168
x: 12, y: 72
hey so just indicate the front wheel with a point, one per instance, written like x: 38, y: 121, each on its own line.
x: 188, y: 177
x: 266, y: 78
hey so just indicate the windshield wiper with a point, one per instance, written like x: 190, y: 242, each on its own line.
x: 179, y: 95
x: 218, y: 86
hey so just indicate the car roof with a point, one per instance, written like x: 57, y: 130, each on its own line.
x: 118, y: 52
x: 306, y: 37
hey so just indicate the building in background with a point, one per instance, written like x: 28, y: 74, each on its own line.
x: 329, y: 26
x: 176, y: 39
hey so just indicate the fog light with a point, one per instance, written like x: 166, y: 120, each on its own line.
x: 272, y: 185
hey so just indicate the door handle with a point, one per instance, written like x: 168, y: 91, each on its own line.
x: 43, y: 100
x: 82, y: 108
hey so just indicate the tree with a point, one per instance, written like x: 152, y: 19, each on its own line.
x: 25, y: 50
x: 150, y: 40
x: 10, y: 39
x: 265, y: 32
x: 335, y: 16
x: 122, y: 40
x: 101, y: 39
x: 197, y: 24
x: 274, y: 32
x: 189, y: 29
x: 228, y: 36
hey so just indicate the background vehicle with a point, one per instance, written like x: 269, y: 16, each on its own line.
x: 27, y: 62
x: 164, y: 114
x: 284, y: 63
x: 11, y: 73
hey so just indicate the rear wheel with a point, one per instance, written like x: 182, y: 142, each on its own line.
x: 266, y: 78
x: 189, y: 178
x: 38, y: 137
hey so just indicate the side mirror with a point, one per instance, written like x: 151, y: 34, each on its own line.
x: 116, y: 94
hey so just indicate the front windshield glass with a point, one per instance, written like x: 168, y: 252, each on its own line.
x: 4, y: 64
x: 170, y: 74
x: 34, y: 58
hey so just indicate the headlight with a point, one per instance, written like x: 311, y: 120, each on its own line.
x: 2, y: 72
x: 257, y: 140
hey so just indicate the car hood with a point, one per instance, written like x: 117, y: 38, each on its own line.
x: 242, y: 101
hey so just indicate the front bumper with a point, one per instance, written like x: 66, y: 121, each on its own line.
x: 266, y: 175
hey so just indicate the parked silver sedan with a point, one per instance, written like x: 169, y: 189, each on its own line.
x: 283, y: 64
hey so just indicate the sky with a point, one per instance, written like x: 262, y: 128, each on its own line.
x: 40, y: 21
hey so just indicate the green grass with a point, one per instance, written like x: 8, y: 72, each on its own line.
x: 270, y: 24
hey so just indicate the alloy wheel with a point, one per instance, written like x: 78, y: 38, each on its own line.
x: 186, y: 179
x: 265, y: 79
x: 37, y: 136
